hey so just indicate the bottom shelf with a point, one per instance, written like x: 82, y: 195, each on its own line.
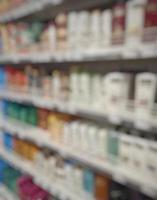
x: 6, y: 194
x: 119, y: 173
x: 25, y: 166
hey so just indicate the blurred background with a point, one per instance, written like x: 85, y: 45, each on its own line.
x: 78, y: 100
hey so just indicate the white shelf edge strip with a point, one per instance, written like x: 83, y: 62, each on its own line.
x: 37, y: 136
x: 69, y: 108
x: 26, y: 167
x: 109, y: 53
x: 5, y: 194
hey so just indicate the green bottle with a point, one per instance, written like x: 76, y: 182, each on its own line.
x: 113, y: 146
x: 32, y: 116
x: 23, y: 114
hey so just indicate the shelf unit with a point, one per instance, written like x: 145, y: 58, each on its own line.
x: 108, y: 54
x: 143, y: 54
x: 34, y: 9
x: 28, y: 168
x: 5, y: 194
x: 42, y: 139
x: 26, y: 9
x: 130, y: 118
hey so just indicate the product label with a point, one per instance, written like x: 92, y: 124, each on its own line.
x: 118, y: 24
x: 150, y: 24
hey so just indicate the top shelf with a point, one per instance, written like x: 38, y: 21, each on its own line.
x: 34, y: 9
x: 27, y: 9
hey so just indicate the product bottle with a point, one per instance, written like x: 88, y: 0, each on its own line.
x: 125, y: 147
x: 89, y: 184
x: 95, y: 29
x: 135, y: 22
x: 102, y: 143
x: 151, y: 161
x: 150, y: 22
x: 138, y: 161
x: 106, y: 28
x: 78, y: 176
x: 118, y: 23
x: 102, y: 185
x: 113, y: 146
x: 145, y: 94
x: 117, y: 86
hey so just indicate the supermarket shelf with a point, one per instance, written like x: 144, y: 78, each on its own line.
x: 5, y: 194
x: 26, y: 9
x: 112, y: 53
x: 34, y: 9
x: 118, y: 173
x: 126, y: 117
x: 27, y: 167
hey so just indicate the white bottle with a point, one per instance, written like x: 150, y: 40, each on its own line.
x: 51, y: 167
x: 72, y: 31
x: 95, y: 29
x: 85, y: 89
x: 117, y: 92
x: 74, y: 87
x: 78, y: 179
x: 66, y: 134
x: 125, y: 152
x: 102, y: 143
x: 106, y: 28
x: 84, y: 136
x: 146, y: 86
x: 40, y: 162
x: 134, y: 22
x: 83, y: 30
x: 151, y: 162
x: 75, y: 137
x: 92, y: 140
x: 56, y: 85
x: 69, y: 176
x: 52, y: 37
x: 138, y: 158
x: 97, y: 93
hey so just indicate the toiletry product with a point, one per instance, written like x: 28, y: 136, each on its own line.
x: 118, y: 23
x: 106, y: 28
x: 89, y: 184
x: 102, y: 184
x: 145, y: 94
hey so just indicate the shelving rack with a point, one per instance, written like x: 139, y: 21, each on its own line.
x: 34, y: 9
x: 119, y: 119
x: 145, y: 59
x: 40, y: 137
x: 5, y: 194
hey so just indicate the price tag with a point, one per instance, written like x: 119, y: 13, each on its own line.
x: 114, y: 119
x: 119, y: 178
x: 150, y: 191
x: 142, y: 125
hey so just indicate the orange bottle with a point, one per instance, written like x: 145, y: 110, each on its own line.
x: 102, y: 187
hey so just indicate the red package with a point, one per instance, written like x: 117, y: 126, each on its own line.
x: 118, y: 23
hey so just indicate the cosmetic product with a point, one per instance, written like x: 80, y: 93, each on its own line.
x: 89, y: 184
x: 95, y: 29
x: 145, y: 94
x: 102, y: 184
x: 135, y: 22
x: 113, y: 146
x: 118, y: 23
x: 106, y: 28
x: 117, y: 92
x: 150, y: 22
